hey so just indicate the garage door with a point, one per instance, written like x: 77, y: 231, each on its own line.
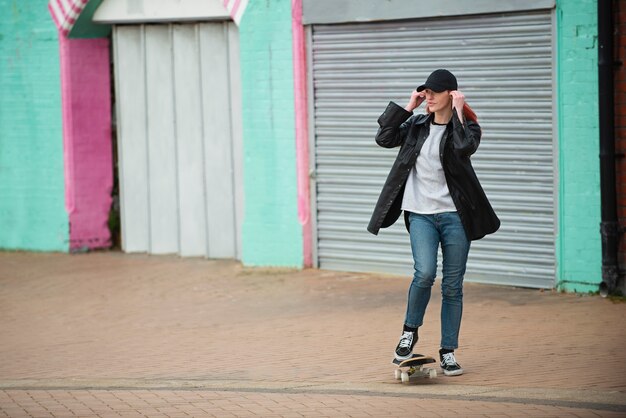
x: 179, y: 150
x: 504, y: 66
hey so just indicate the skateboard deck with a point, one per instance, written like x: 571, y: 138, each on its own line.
x: 415, y: 366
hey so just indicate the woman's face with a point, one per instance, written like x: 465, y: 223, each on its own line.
x: 437, y: 101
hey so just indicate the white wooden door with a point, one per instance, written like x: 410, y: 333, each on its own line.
x: 179, y: 141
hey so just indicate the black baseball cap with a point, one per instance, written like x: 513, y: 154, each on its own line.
x: 440, y: 80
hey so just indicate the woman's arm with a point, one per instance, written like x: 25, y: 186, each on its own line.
x: 395, y: 122
x: 465, y: 135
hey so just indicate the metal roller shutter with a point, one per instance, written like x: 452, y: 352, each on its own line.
x: 504, y: 67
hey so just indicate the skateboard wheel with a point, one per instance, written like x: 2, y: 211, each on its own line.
x: 405, y: 377
x: 397, y: 374
x: 432, y: 374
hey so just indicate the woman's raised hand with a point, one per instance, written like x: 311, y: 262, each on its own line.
x: 458, y: 100
x: 417, y: 97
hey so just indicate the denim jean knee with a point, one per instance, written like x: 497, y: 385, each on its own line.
x: 423, y: 278
x: 452, y: 292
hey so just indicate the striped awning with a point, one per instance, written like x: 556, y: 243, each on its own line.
x: 235, y: 9
x: 66, y: 12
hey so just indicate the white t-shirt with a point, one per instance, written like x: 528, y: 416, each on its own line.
x: 426, y: 189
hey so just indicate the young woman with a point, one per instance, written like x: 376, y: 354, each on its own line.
x: 433, y: 182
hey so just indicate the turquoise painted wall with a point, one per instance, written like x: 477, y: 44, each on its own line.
x: 271, y: 232
x: 579, y: 253
x: 32, y: 187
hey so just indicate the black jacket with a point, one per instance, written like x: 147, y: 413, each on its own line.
x: 399, y: 127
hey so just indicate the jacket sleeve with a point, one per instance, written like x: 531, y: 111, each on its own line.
x: 466, y: 135
x: 394, y: 125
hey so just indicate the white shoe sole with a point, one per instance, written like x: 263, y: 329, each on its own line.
x: 453, y: 373
x: 399, y: 358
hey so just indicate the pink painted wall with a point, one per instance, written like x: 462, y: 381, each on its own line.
x: 302, y: 130
x: 86, y: 98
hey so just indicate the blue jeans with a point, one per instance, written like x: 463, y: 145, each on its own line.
x: 426, y: 232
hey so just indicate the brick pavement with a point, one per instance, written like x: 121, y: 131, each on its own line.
x: 171, y: 403
x: 98, y: 325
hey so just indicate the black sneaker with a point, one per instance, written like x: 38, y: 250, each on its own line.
x: 404, y: 350
x: 449, y: 365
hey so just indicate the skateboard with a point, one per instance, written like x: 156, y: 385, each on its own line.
x: 415, y: 366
